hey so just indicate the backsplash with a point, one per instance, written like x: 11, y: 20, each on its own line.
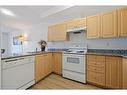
x: 109, y: 43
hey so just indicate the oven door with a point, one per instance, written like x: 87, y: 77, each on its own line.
x: 74, y: 62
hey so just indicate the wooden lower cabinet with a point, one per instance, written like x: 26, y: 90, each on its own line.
x: 124, y: 70
x: 96, y: 78
x: 96, y: 69
x: 43, y: 66
x: 106, y: 71
x: 113, y: 72
x: 48, y: 63
x: 57, y: 63
x: 39, y: 67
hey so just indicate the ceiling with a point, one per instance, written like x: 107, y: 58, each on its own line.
x: 78, y: 12
x: 27, y: 16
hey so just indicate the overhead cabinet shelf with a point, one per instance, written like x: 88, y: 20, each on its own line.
x: 104, y: 25
x: 108, y: 25
x: 59, y: 32
x: 93, y: 26
x: 122, y: 22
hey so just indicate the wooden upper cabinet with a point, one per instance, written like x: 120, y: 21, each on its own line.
x: 77, y: 23
x: 93, y: 27
x: 122, y: 22
x: 50, y: 33
x: 109, y: 24
x: 57, y: 32
x: 113, y: 72
x: 81, y: 23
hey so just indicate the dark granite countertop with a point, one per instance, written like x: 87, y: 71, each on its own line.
x: 9, y: 56
x: 117, y: 53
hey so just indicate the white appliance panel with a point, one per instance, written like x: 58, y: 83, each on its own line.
x: 74, y: 62
x: 74, y: 76
x: 18, y: 74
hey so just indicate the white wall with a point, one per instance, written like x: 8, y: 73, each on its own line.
x: 9, y: 44
x: 37, y: 33
x: 34, y: 35
x: 5, y: 43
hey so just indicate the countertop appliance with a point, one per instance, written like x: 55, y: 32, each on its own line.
x: 74, y: 64
x: 18, y: 73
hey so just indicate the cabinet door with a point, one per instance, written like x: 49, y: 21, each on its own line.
x: 109, y: 24
x: 113, y: 72
x: 57, y: 63
x: 39, y: 67
x: 77, y: 23
x: 91, y: 76
x: 61, y: 35
x: 122, y: 22
x: 124, y: 73
x: 50, y: 33
x: 93, y: 27
x: 71, y: 24
x: 81, y: 23
x: 57, y: 33
x: 48, y: 63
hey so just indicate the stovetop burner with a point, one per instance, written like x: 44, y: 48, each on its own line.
x: 76, y: 51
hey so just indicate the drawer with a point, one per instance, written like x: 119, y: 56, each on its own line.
x: 100, y: 79
x: 96, y: 69
x: 100, y: 58
x: 97, y: 64
x: 97, y: 78
x: 92, y: 63
x: 100, y: 64
x: 91, y: 76
x: 91, y: 57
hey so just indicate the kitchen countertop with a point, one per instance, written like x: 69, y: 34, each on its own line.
x: 107, y: 54
x: 26, y: 54
x: 93, y: 52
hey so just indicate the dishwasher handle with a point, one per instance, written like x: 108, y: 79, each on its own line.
x: 14, y: 60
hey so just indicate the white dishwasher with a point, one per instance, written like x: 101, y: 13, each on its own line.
x: 18, y: 73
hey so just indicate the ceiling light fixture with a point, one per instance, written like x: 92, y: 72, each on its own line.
x: 7, y: 12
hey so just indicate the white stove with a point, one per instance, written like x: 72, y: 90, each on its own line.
x: 76, y: 50
x: 74, y: 64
